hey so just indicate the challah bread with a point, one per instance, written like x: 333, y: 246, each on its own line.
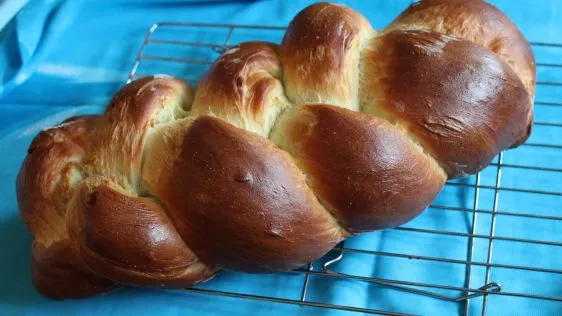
x: 280, y: 152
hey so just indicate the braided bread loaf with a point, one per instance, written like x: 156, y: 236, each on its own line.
x: 281, y: 151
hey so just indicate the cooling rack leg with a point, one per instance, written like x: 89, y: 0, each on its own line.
x: 470, y: 252
x: 228, y: 36
x: 305, y: 284
x: 141, y: 51
x: 493, y: 227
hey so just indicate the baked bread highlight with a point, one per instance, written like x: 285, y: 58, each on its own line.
x: 280, y: 152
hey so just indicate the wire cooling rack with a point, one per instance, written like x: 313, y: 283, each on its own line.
x: 186, y: 50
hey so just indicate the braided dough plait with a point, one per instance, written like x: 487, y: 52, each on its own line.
x: 281, y: 152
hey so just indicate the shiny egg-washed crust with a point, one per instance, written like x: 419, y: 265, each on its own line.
x: 281, y: 152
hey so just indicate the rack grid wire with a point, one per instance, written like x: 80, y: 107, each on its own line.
x: 155, y: 52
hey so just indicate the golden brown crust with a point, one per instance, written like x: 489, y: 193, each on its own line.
x: 242, y: 87
x: 462, y: 103
x: 479, y: 22
x: 139, y: 106
x: 320, y: 55
x: 130, y: 239
x: 240, y: 203
x: 138, y: 102
x: 60, y: 158
x: 45, y: 180
x: 363, y: 169
x: 58, y: 273
x: 111, y: 145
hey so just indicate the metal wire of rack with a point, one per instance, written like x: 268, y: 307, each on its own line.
x: 328, y: 268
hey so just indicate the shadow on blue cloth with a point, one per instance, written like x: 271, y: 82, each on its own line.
x: 15, y: 242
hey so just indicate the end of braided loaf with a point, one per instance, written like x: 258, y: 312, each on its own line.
x: 281, y: 152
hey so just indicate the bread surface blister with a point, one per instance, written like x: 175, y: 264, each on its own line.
x: 282, y: 150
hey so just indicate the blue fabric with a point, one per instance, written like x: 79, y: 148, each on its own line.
x: 63, y: 58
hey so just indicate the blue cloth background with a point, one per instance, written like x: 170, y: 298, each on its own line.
x: 62, y: 58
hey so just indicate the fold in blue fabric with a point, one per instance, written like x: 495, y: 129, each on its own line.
x: 26, y: 40
x: 64, y: 58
